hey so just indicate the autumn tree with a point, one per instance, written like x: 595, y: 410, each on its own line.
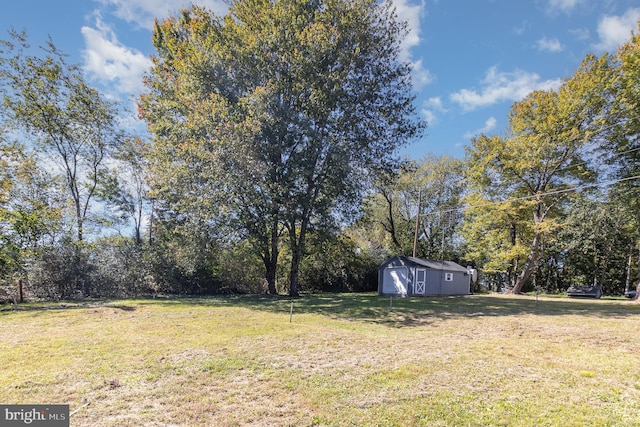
x: 520, y: 180
x: 622, y: 137
x: 74, y: 127
x: 275, y: 116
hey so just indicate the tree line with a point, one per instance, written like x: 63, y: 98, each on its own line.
x: 269, y: 166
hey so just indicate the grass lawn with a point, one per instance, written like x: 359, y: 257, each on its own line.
x: 343, y: 360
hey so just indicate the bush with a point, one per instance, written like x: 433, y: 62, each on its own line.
x: 119, y: 269
x: 337, y: 265
x: 60, y: 272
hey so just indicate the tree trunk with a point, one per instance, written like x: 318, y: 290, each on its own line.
x: 138, y: 238
x: 153, y: 204
x: 391, y: 226
x: 529, y: 266
x: 138, y: 224
x: 627, y: 282
x: 513, y: 267
x: 271, y: 260
x: 270, y: 276
x: 79, y: 219
x: 638, y: 283
x: 297, y: 242
x: 293, y: 274
x: 80, y: 232
x: 20, y: 292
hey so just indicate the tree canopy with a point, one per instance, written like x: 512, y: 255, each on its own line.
x: 72, y: 123
x: 272, y: 166
x: 519, y: 180
x: 279, y: 113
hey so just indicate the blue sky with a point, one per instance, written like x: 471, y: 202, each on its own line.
x: 472, y: 58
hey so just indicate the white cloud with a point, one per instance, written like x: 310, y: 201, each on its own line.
x: 431, y: 106
x: 434, y: 103
x: 549, y: 45
x: 565, y: 6
x: 430, y: 117
x: 616, y: 30
x: 489, y: 125
x: 112, y: 63
x: 143, y: 12
x: 522, y: 28
x: 411, y: 13
x: 421, y: 76
x: 580, y: 33
x: 498, y: 86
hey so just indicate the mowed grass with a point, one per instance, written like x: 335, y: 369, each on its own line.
x: 342, y: 360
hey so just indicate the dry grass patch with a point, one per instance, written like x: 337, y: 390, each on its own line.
x: 344, y: 360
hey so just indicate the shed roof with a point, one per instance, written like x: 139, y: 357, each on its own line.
x: 433, y: 265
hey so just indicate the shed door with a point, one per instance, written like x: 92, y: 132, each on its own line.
x: 395, y: 280
x: 421, y: 279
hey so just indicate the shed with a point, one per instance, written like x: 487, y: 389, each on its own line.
x: 409, y: 276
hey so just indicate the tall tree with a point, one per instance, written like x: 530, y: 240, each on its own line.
x: 623, y: 92
x: 73, y: 125
x: 279, y: 112
x: 543, y: 156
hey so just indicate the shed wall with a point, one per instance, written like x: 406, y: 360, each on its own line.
x: 397, y: 275
x: 434, y: 285
x: 395, y: 281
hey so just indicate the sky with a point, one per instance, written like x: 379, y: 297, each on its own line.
x: 472, y: 59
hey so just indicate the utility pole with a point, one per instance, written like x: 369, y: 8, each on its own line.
x: 415, y: 237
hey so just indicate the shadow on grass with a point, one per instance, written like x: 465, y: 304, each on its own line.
x: 401, y: 312
x: 64, y: 306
